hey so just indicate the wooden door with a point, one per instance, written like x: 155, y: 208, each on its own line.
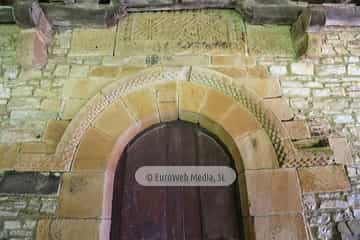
x: 173, y: 213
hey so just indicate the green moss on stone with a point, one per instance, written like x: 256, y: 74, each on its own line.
x: 270, y: 40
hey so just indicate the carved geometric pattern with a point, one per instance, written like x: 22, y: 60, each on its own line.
x: 154, y: 33
x: 285, y: 151
x: 246, y: 98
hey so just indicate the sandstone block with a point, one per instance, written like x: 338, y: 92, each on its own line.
x: 323, y: 179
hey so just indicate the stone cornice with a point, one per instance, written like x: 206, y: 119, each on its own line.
x: 253, y: 11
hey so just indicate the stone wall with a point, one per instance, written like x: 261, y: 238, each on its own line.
x: 19, y: 215
x: 37, y: 104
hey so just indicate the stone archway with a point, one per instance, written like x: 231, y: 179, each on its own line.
x: 254, y: 138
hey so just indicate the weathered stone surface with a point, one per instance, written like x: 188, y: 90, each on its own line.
x: 143, y: 105
x: 280, y: 107
x: 154, y: 33
x: 342, y: 150
x: 54, y: 130
x: 323, y: 179
x: 42, y: 230
x: 273, y: 192
x: 80, y: 71
x: 214, y: 107
x: 4, y: 91
x: 8, y: 156
x: 71, y: 108
x: 22, y: 91
x: 62, y: 70
x: 76, y: 190
x: 32, y: 115
x: 257, y: 151
x: 51, y: 105
x: 238, y: 121
x: 278, y: 70
x: 114, y: 120
x: 82, y: 87
x: 167, y: 101
x: 259, y: 38
x: 74, y: 229
x: 326, y: 70
x: 25, y: 48
x: 298, y: 129
x: 233, y: 60
x: 90, y: 158
x: 190, y: 100
x: 282, y: 227
x: 264, y: 87
x: 23, y: 103
x: 29, y: 183
x: 90, y: 42
x: 105, y: 71
x: 302, y: 68
x: 38, y: 147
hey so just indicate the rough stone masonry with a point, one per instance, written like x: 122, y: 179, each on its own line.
x: 36, y: 104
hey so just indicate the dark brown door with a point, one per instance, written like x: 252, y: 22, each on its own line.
x: 173, y: 213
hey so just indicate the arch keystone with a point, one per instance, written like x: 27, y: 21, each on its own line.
x: 190, y: 100
x: 167, y: 101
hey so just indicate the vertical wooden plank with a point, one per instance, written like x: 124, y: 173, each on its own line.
x: 219, y: 208
x: 142, y: 207
x: 183, y: 202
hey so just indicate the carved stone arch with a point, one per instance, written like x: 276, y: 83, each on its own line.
x: 237, y: 90
x: 95, y: 139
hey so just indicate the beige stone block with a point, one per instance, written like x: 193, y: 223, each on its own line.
x: 168, y: 111
x: 8, y: 156
x: 25, y: 48
x: 51, y: 105
x: 43, y: 229
x: 257, y: 151
x: 74, y: 229
x: 54, y: 130
x: 279, y: 107
x: 166, y: 95
x: 258, y: 72
x: 282, y: 227
x: 72, y: 107
x: 105, y: 71
x: 93, y: 151
x: 142, y: 104
x: 216, y: 104
x: 81, y: 195
x: 297, y: 129
x: 264, y: 87
x: 232, y: 72
x: 233, y: 60
x: 191, y: 98
x: 323, y: 179
x: 238, y: 121
x: 342, y: 150
x: 93, y: 42
x: 273, y: 192
x: 166, y: 92
x: 83, y: 88
x: 38, y: 147
x: 114, y: 120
